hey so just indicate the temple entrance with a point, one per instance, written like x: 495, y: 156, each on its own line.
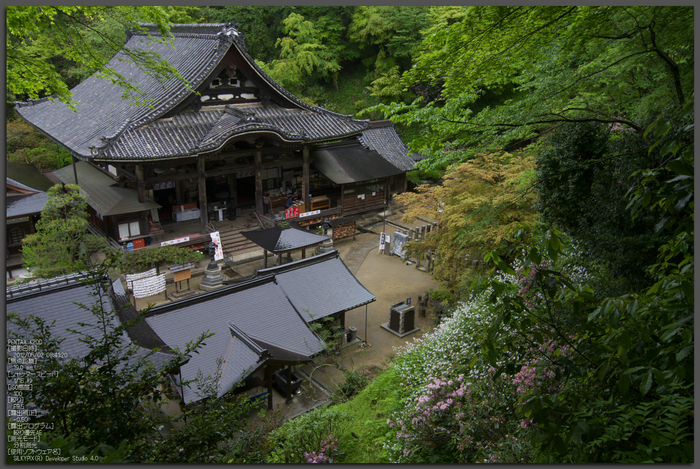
x: 245, y: 191
x: 166, y: 198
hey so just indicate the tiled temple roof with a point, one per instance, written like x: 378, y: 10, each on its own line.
x: 108, y: 127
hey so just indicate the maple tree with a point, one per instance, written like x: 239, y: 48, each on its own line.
x: 479, y: 206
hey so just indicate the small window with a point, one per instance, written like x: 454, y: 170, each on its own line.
x: 128, y: 230
x: 16, y: 235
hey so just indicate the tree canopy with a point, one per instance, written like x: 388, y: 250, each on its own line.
x: 62, y: 243
x: 78, y: 40
x: 506, y: 75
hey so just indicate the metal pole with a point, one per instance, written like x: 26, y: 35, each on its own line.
x: 364, y: 343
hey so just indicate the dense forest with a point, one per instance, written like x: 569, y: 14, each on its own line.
x: 559, y: 149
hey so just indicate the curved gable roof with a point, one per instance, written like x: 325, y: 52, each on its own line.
x: 104, y: 120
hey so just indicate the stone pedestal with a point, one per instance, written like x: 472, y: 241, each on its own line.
x: 326, y: 246
x: 212, y: 277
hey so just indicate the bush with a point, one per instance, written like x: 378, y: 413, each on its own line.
x: 307, y: 434
x: 355, y: 381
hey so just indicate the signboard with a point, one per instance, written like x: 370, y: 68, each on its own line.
x: 175, y: 241
x: 308, y: 214
x: 399, y: 240
x: 218, y: 250
x: 291, y: 212
x: 382, y: 241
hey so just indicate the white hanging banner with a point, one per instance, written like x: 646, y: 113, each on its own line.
x: 175, y: 241
x: 149, y: 286
x: 218, y: 250
x: 130, y: 278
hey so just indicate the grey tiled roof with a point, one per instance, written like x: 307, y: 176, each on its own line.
x: 351, y: 162
x: 140, y: 333
x: 190, y: 133
x: 58, y: 300
x: 25, y: 204
x: 382, y: 138
x: 320, y: 286
x: 102, y: 191
x: 103, y: 119
x: 28, y: 174
x: 259, y: 309
x: 239, y: 362
x: 281, y: 240
x: 58, y: 303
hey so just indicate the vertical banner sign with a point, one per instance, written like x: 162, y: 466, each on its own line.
x: 399, y: 240
x: 218, y: 250
x: 382, y: 240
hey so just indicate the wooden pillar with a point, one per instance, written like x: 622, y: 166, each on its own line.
x: 180, y: 192
x: 140, y: 184
x: 268, y: 377
x: 202, y: 186
x: 386, y: 193
x: 233, y: 192
x: 289, y: 383
x: 264, y: 258
x: 307, y: 160
x: 75, y: 169
x: 143, y: 222
x: 342, y: 199
x: 303, y: 253
x: 258, y: 183
x: 279, y: 258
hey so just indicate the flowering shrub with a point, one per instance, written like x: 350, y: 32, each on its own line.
x: 329, y: 450
x: 309, y: 438
x: 541, y: 376
x: 459, y: 421
x: 458, y: 411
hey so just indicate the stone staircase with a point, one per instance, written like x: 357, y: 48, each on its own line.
x: 234, y: 243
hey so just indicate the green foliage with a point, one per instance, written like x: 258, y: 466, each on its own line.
x: 627, y: 376
x: 548, y: 65
x: 582, y: 178
x: 25, y: 144
x: 209, y: 433
x: 160, y: 255
x: 183, y: 14
x: 388, y: 34
x: 255, y: 443
x: 417, y: 175
x: 80, y: 39
x: 62, y: 243
x: 61, y: 449
x: 479, y: 206
x: 615, y: 359
x: 303, y: 54
x: 360, y: 425
x: 104, y: 396
x: 354, y: 382
x: 305, y: 434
